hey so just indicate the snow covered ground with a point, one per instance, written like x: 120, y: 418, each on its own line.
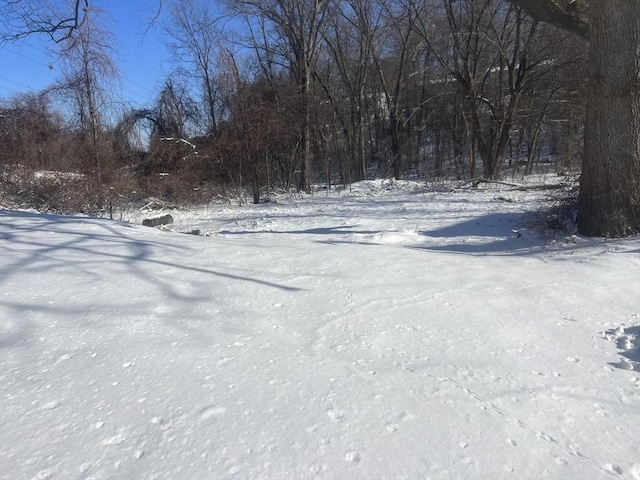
x: 386, y: 332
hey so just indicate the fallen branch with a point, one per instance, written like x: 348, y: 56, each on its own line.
x: 477, y: 181
x: 550, y: 186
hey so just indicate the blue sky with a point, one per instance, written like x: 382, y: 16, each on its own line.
x: 143, y: 60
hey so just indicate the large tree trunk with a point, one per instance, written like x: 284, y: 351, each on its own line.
x: 609, y: 200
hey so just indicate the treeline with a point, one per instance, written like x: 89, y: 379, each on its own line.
x: 285, y: 94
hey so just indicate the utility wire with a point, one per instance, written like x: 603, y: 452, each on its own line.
x: 14, y: 82
x: 49, y: 66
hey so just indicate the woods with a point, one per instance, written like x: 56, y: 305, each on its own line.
x: 287, y: 94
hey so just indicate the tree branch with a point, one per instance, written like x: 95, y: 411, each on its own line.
x: 562, y: 15
x: 25, y: 19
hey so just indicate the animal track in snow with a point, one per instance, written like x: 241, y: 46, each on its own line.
x: 43, y: 474
x: 336, y: 414
x: 53, y: 404
x: 211, y: 413
x: 347, y: 293
x: 352, y: 457
x: 392, y: 427
x: 114, y: 440
x: 223, y: 361
x: 317, y: 468
x: 570, y: 450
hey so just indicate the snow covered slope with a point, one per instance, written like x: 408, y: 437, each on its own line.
x: 385, y: 333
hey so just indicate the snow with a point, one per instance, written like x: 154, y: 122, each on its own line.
x: 387, y: 331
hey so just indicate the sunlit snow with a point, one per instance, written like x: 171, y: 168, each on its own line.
x: 387, y: 331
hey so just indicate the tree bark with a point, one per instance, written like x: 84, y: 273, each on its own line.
x: 609, y: 199
x: 552, y: 11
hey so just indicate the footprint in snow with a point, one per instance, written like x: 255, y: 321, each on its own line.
x: 223, y: 361
x: 613, y: 468
x: 318, y: 468
x: 336, y: 414
x: 53, y: 404
x: 627, y: 340
x: 235, y: 470
x: 352, y: 457
x: 211, y: 413
x: 43, y: 474
x: 117, y: 439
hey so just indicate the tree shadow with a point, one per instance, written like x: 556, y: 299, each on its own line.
x: 495, y: 233
x: 491, y: 225
x: 87, y: 252
x: 341, y: 229
x: 113, y: 233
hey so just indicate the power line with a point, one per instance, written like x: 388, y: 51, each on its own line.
x: 37, y: 49
x: 136, y: 84
x: 14, y: 82
x: 135, y: 96
x: 49, y: 66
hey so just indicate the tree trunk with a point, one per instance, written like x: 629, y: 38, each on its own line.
x: 396, y: 154
x: 609, y: 200
x: 305, y: 90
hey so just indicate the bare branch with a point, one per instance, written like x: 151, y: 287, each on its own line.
x: 563, y: 15
x: 23, y: 19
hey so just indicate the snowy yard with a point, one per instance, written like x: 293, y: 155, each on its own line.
x: 387, y: 332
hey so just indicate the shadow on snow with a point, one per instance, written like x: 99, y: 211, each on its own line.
x: 89, y: 252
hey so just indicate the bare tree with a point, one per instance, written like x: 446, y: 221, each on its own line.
x: 349, y: 38
x: 491, y: 59
x: 84, y: 49
x: 195, y: 42
x: 173, y: 121
x: 609, y: 200
x: 392, y: 66
x: 27, y: 17
x: 296, y: 25
x: 31, y: 134
x: 88, y: 70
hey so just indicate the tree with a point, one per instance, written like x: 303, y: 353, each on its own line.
x: 31, y: 134
x: 393, y: 71
x: 195, y: 41
x: 297, y: 26
x: 349, y: 38
x: 173, y: 120
x: 609, y: 199
x: 492, y: 59
x: 84, y: 48
x: 87, y: 70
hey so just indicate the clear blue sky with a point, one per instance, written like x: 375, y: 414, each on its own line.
x: 143, y: 60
